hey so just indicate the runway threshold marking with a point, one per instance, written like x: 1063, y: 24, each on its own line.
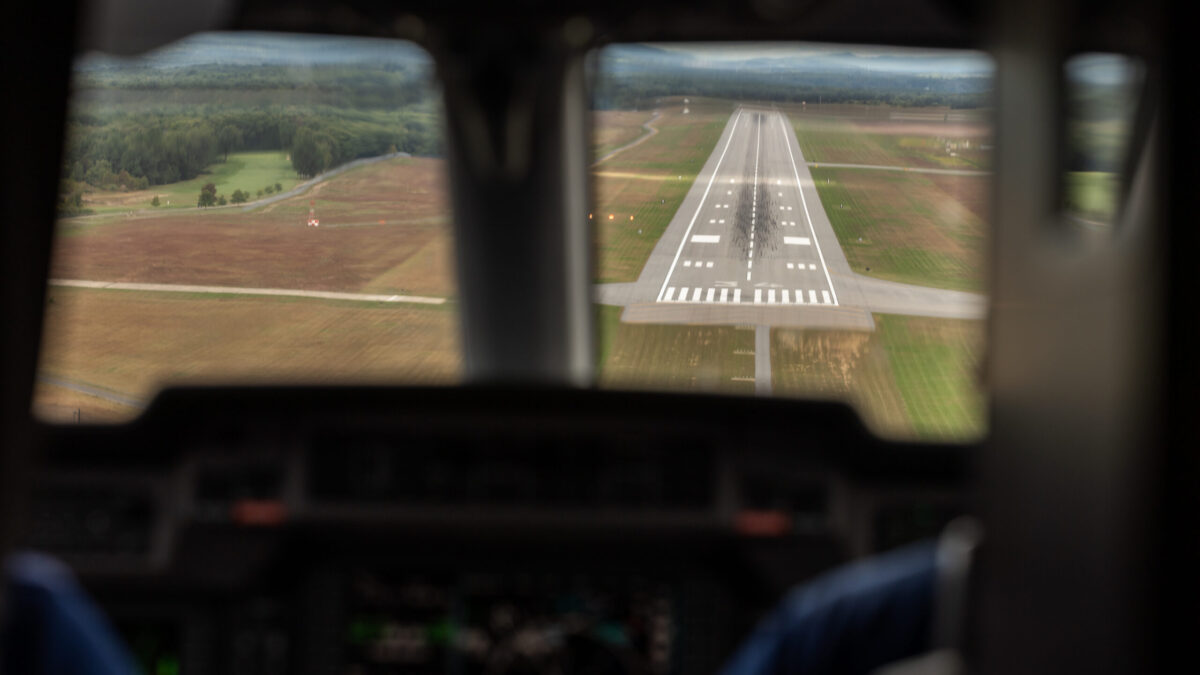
x: 804, y: 202
x: 716, y: 170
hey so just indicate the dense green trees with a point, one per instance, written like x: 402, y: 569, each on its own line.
x: 312, y: 152
x: 208, y: 195
x: 157, y: 126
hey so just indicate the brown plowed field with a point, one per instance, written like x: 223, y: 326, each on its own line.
x: 384, y: 228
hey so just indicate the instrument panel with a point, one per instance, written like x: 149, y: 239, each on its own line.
x: 470, y: 531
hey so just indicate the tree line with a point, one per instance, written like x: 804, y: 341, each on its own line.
x: 112, y: 145
x: 627, y: 89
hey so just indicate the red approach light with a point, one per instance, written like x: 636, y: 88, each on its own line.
x: 762, y: 523
x: 611, y: 216
x: 258, y: 512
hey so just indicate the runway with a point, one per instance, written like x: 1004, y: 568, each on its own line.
x: 751, y: 244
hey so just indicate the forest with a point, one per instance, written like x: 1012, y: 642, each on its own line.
x: 131, y: 128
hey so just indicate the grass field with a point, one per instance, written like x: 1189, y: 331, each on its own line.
x: 649, y: 182
x: 912, y: 378
x: 133, y: 343
x: 1092, y: 195
x: 708, y: 359
x: 913, y: 228
x: 612, y: 129
x: 246, y: 171
x: 385, y: 228
x: 891, y: 137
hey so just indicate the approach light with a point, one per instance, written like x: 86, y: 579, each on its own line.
x: 611, y: 216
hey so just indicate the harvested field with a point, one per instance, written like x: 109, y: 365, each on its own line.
x: 649, y: 182
x: 134, y: 343
x: 384, y: 228
x: 913, y: 228
x: 912, y: 378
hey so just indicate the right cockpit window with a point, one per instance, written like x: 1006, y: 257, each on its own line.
x: 1102, y: 92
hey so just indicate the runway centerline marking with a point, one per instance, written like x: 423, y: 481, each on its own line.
x: 754, y: 200
x: 716, y: 170
x: 804, y: 203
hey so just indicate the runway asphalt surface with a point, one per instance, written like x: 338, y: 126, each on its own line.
x: 751, y: 244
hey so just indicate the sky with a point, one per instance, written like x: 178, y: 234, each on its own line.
x: 884, y: 59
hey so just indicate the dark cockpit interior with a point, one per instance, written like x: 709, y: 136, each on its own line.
x: 525, y: 509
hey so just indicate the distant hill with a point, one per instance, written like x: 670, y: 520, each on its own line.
x: 254, y: 49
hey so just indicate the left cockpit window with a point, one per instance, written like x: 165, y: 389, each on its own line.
x: 249, y: 207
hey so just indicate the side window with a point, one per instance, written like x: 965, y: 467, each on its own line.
x: 1102, y: 97
x: 249, y: 208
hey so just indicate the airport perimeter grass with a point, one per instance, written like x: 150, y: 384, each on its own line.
x: 700, y: 359
x: 931, y: 144
x: 612, y: 129
x: 649, y: 182
x: 919, y: 229
x: 133, y: 343
x: 914, y: 377
x: 246, y: 171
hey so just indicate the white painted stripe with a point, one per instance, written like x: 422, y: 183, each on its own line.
x: 717, y: 168
x: 804, y: 203
x: 797, y: 241
x: 812, y: 267
x: 724, y: 294
x: 747, y: 276
x: 670, y: 294
x: 705, y: 238
x: 825, y: 296
x: 683, y: 294
x: 789, y: 208
x: 722, y: 221
x: 799, y: 296
x: 737, y: 295
x: 786, y: 299
x: 687, y: 263
x: 709, y: 297
x: 757, y: 296
x: 709, y: 264
x: 771, y: 296
x: 812, y: 297
x: 790, y: 266
x: 712, y: 221
x: 696, y: 295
